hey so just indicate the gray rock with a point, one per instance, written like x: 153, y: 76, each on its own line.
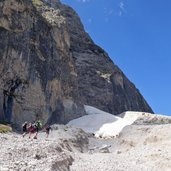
x: 38, y: 79
x: 101, y: 83
x: 104, y: 149
x: 50, y: 67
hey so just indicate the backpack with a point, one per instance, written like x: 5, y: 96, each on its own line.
x: 39, y: 124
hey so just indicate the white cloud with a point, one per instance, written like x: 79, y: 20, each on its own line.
x: 121, y: 5
x: 121, y: 8
x: 83, y: 1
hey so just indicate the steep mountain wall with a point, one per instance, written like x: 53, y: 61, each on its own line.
x: 38, y: 78
x: 101, y: 83
x: 50, y: 67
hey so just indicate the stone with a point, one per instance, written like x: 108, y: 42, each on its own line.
x: 104, y: 149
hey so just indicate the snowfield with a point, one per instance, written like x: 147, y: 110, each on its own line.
x: 106, y: 125
x: 103, y: 124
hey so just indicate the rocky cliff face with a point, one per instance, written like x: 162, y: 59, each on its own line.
x: 50, y: 67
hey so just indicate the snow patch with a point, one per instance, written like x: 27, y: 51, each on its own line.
x: 90, y: 110
x: 101, y: 123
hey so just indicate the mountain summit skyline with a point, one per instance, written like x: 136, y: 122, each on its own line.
x: 136, y: 34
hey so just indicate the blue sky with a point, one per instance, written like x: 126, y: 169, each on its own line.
x: 137, y: 36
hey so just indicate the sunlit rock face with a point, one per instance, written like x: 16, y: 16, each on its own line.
x: 50, y: 67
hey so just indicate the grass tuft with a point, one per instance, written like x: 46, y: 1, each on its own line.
x: 5, y: 128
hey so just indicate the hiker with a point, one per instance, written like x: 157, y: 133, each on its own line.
x: 31, y: 129
x: 48, y: 128
x: 37, y: 126
x: 24, y: 127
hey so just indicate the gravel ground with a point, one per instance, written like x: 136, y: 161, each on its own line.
x: 138, y: 148
x: 42, y: 154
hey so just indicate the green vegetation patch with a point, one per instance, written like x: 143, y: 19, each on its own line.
x: 5, y: 128
x: 37, y: 2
